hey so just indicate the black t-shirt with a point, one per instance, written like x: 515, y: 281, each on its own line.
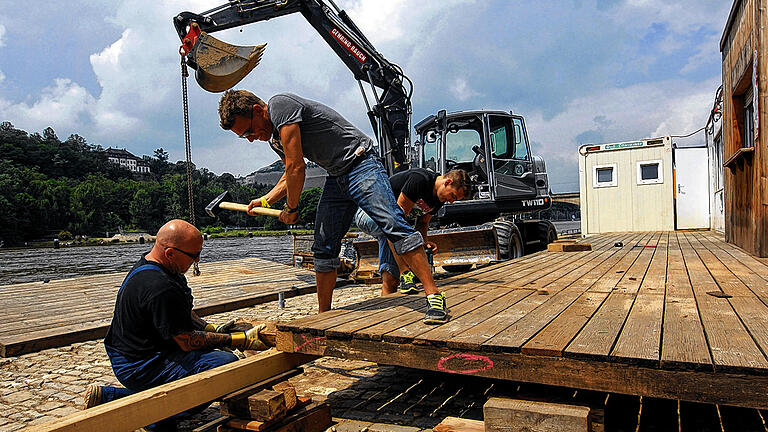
x: 152, y: 306
x: 417, y: 184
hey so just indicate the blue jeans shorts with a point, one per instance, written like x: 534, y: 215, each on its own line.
x: 366, y: 186
x: 387, y: 261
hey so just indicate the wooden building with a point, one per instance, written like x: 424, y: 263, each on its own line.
x: 744, y: 47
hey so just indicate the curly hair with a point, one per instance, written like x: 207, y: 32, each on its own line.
x: 461, y: 181
x: 236, y: 102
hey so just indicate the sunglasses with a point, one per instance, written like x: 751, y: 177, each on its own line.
x: 193, y: 256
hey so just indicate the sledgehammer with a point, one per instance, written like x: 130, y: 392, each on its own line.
x: 221, y: 203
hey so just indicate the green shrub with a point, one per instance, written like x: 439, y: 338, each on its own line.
x: 65, y: 235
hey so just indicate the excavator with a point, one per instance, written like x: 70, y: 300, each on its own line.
x: 510, y: 184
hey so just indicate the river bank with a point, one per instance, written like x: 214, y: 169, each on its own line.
x: 41, y: 264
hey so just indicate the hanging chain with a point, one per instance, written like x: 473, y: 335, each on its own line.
x: 185, y: 102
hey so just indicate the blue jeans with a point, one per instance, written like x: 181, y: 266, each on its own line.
x: 160, y: 369
x: 387, y: 261
x: 365, y: 186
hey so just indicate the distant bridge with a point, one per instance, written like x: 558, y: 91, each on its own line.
x: 570, y: 198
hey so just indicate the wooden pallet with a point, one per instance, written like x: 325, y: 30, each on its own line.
x: 40, y: 315
x: 678, y: 315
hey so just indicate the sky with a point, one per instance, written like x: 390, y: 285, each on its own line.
x: 578, y: 71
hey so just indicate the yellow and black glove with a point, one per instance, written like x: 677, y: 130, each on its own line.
x: 222, y: 328
x: 249, y: 340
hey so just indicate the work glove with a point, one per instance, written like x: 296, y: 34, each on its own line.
x: 222, y: 328
x: 249, y: 340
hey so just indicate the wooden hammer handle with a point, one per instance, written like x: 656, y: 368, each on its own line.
x: 244, y: 208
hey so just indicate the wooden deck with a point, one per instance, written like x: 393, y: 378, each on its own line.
x: 38, y: 315
x: 677, y: 315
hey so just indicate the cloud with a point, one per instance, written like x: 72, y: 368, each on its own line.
x: 595, y: 72
x: 62, y: 106
x: 462, y: 91
x: 2, y: 43
x: 672, y: 107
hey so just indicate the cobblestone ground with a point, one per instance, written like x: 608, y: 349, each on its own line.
x: 40, y: 387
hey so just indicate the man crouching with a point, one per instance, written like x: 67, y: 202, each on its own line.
x: 155, y: 337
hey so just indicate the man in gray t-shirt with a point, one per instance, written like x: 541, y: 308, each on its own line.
x: 298, y: 128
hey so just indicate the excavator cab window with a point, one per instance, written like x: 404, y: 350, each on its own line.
x: 509, y: 146
x: 430, y: 150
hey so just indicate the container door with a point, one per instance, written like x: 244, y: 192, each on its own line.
x: 692, y: 188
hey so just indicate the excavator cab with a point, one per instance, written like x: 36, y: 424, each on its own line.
x: 493, y: 147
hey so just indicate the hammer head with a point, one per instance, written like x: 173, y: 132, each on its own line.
x: 213, y: 207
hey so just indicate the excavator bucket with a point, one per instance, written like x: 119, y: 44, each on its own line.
x: 220, y: 65
x: 457, y: 248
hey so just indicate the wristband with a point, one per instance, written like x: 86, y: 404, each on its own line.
x: 288, y: 210
x: 210, y: 328
x: 238, y: 339
x: 265, y: 203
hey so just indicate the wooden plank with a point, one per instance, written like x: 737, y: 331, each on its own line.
x: 742, y: 270
x: 597, y: 337
x: 408, y: 332
x: 366, y: 325
x: 683, y: 342
x: 236, y: 404
x: 267, y: 405
x: 455, y: 424
x: 315, y: 417
x: 483, y: 332
x: 534, y: 416
x: 732, y: 347
x: 149, y: 406
x: 553, y: 339
x: 568, y: 247
x: 752, y: 312
x: 640, y: 339
x: 551, y: 300
x: 81, y: 309
x: 746, y: 390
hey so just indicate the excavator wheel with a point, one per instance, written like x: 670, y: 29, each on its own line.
x: 547, y: 233
x: 510, y: 240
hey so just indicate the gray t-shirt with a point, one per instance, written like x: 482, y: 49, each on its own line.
x: 327, y: 139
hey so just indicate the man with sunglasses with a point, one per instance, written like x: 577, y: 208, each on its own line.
x: 155, y: 337
x: 299, y: 128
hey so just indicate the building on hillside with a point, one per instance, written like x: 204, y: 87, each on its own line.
x: 643, y: 185
x: 744, y: 48
x: 127, y: 159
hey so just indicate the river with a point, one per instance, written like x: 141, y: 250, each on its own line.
x: 34, y: 265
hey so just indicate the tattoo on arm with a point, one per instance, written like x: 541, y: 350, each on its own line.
x: 198, y: 322
x: 195, y: 340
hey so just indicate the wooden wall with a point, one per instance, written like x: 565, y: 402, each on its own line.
x: 746, y: 177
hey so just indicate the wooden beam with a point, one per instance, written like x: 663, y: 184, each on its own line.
x: 149, y: 406
x: 744, y: 390
x: 506, y: 415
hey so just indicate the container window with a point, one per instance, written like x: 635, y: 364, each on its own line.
x: 649, y: 172
x: 604, y: 176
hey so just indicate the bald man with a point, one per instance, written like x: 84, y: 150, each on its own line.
x: 155, y: 337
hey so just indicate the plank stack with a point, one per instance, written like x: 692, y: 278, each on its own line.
x: 272, y: 406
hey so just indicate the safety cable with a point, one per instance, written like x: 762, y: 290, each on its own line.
x: 185, y: 103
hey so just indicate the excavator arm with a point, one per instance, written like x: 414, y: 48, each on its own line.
x: 219, y: 66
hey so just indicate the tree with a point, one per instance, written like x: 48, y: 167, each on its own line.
x: 161, y: 154
x: 308, y: 204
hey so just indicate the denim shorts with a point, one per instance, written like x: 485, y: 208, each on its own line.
x: 365, y: 186
x: 387, y: 261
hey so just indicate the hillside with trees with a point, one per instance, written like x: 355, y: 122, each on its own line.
x: 48, y: 186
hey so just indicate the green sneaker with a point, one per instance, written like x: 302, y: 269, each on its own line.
x: 436, y: 314
x: 407, y: 284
